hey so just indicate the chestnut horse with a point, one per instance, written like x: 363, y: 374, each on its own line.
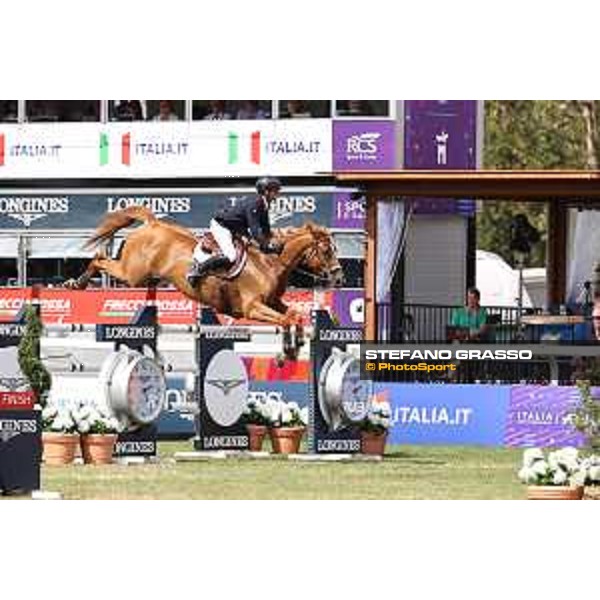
x: 164, y: 249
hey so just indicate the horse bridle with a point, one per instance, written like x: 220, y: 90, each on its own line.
x: 313, y: 251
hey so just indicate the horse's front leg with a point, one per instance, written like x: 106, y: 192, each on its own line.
x: 261, y: 312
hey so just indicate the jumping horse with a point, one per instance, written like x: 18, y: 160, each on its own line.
x: 163, y: 249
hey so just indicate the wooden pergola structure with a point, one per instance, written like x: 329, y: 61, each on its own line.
x: 559, y: 189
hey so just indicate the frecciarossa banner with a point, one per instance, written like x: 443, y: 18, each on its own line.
x: 109, y: 306
x: 150, y: 150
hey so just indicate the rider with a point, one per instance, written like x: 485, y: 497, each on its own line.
x: 250, y: 218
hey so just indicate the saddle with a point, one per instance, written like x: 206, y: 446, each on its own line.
x: 209, y: 246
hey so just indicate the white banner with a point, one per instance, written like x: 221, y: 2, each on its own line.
x: 147, y: 150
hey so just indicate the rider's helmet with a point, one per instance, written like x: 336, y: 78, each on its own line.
x: 264, y: 184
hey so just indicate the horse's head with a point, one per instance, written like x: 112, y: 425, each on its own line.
x: 320, y: 259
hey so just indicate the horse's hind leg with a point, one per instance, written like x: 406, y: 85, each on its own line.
x: 83, y: 280
x: 100, y: 263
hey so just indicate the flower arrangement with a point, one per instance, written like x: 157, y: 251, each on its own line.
x: 58, y: 420
x: 82, y: 419
x: 95, y: 420
x: 256, y: 412
x: 378, y: 418
x: 591, y: 468
x: 562, y: 467
x: 285, y: 414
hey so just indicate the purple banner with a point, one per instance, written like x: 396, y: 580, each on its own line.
x: 441, y: 134
x: 349, y: 307
x: 364, y: 145
x: 539, y: 416
x: 348, y: 213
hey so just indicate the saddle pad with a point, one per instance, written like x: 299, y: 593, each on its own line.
x: 207, y: 247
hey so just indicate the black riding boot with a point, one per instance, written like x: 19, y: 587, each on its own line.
x: 198, y: 270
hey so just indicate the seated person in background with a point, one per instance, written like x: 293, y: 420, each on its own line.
x: 296, y: 109
x: 217, y: 111
x: 249, y: 109
x: 128, y: 110
x: 165, y: 111
x: 354, y: 108
x: 470, y: 322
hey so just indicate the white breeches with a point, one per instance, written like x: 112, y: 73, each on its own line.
x: 224, y: 239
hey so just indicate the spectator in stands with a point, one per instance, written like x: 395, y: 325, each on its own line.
x: 469, y: 322
x: 165, y: 111
x: 296, y: 109
x: 250, y: 109
x: 354, y: 108
x: 8, y: 111
x: 217, y: 111
x: 128, y: 110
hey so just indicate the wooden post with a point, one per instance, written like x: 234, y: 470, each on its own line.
x: 556, y: 250
x: 371, y: 270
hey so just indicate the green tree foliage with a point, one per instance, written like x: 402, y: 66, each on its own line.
x: 533, y: 134
x: 29, y: 355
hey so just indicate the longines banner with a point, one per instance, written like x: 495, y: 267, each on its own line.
x: 84, y: 211
x: 223, y: 148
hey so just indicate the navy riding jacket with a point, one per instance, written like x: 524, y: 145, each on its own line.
x: 249, y: 217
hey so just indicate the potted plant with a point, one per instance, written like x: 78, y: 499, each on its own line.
x: 256, y: 418
x: 287, y: 423
x: 60, y: 436
x: 559, y: 475
x: 374, y: 428
x: 29, y: 355
x: 99, y: 430
x: 591, y: 467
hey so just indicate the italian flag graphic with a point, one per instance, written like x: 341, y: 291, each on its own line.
x: 234, y: 147
x: 126, y: 149
x: 103, y: 148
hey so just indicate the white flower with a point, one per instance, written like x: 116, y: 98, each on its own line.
x: 526, y: 475
x: 49, y: 412
x: 566, y: 457
x: 560, y: 477
x: 83, y: 426
x: 594, y: 473
x: 540, y: 467
x: 532, y: 455
x: 578, y: 478
x: 286, y: 416
x: 293, y: 406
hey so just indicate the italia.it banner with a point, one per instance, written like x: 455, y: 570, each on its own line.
x: 149, y: 150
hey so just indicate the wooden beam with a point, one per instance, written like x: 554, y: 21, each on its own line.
x: 556, y: 250
x: 370, y: 270
x: 568, y: 186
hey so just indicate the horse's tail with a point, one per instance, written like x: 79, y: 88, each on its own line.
x: 119, y: 220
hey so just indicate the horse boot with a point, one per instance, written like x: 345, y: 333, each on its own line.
x: 199, y: 270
